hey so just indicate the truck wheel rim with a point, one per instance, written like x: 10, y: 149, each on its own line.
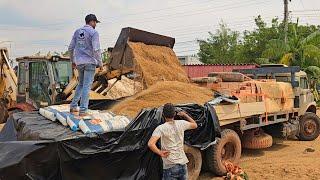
x: 310, y: 127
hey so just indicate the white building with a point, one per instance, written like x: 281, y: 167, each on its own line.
x: 189, y: 60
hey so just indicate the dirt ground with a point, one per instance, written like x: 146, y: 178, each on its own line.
x: 286, y: 159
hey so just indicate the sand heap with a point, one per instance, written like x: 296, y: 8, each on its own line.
x: 160, y: 93
x: 156, y: 63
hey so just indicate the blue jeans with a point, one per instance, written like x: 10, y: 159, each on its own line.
x: 177, y: 172
x: 86, y: 76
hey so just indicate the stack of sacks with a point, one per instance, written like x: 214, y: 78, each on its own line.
x: 56, y: 112
x: 94, y: 122
x: 74, y: 120
x: 103, y: 122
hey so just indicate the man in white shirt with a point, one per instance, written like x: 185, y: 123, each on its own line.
x: 171, y: 135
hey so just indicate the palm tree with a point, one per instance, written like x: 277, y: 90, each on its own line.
x: 299, y: 51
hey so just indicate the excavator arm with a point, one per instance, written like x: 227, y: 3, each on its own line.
x: 8, y: 85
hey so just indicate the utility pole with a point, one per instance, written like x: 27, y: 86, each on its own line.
x: 285, y: 20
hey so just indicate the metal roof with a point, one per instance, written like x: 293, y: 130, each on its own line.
x: 236, y: 64
x: 52, y: 58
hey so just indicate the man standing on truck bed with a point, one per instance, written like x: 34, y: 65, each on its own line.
x: 171, y: 134
x: 85, y: 55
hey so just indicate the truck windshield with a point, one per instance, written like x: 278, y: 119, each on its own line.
x: 62, y: 72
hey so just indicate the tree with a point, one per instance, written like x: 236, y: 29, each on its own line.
x: 254, y: 42
x: 264, y: 44
x: 221, y: 47
x: 300, y: 50
x: 105, y: 56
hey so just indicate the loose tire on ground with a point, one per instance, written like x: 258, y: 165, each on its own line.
x: 227, y: 149
x: 195, y: 161
x: 256, y: 141
x: 309, y: 127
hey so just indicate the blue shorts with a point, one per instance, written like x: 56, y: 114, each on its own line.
x: 177, y: 172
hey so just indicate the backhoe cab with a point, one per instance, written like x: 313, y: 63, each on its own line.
x: 42, y: 79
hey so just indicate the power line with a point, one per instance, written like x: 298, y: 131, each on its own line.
x: 197, y: 27
x: 209, y: 10
x: 304, y: 10
x: 302, y: 4
x: 58, y: 24
x: 156, y: 10
x: 205, y: 28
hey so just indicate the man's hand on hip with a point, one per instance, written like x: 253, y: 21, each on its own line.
x: 164, y: 154
x: 74, y: 66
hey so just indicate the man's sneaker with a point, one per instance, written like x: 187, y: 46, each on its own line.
x: 74, y: 111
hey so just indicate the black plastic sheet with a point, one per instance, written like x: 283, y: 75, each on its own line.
x: 32, y: 147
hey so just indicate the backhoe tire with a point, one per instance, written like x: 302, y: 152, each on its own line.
x: 309, y: 127
x: 227, y: 149
x: 195, y: 161
x: 259, y: 141
x: 3, y: 113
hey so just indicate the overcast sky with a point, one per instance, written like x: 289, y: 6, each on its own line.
x: 43, y: 25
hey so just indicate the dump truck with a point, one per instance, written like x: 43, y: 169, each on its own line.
x: 49, y: 80
x: 254, y: 104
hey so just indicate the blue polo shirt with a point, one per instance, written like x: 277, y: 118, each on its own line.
x: 85, y: 46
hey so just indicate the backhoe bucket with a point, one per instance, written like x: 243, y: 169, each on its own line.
x: 120, y: 59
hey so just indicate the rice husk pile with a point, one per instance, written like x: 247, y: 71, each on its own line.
x: 156, y: 63
x: 160, y: 93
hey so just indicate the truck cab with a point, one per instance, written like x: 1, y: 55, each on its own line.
x: 41, y: 79
x: 304, y: 98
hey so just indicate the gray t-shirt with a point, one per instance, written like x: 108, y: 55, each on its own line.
x: 172, y: 137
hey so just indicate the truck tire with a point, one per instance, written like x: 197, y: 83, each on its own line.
x: 204, y: 166
x: 309, y: 127
x: 227, y: 149
x: 195, y: 161
x: 258, y: 141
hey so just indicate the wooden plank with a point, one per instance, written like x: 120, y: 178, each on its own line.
x: 250, y: 109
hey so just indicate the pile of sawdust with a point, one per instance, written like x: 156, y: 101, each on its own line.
x: 160, y: 93
x: 156, y: 63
